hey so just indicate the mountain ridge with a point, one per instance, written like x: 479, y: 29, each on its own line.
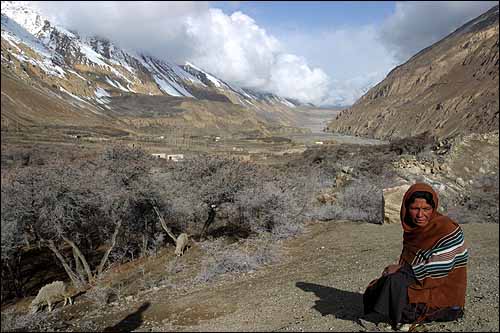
x: 448, y: 88
x: 91, y: 71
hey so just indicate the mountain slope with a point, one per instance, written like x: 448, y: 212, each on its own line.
x: 448, y: 88
x: 92, y: 71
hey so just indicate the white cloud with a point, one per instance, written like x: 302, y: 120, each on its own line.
x: 292, y: 77
x: 235, y: 48
x: 417, y: 25
x: 346, y: 92
x: 232, y: 47
x: 353, y: 57
x: 154, y: 26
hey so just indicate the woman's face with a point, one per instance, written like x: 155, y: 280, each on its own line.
x: 420, y: 212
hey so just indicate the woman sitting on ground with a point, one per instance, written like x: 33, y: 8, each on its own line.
x: 429, y: 282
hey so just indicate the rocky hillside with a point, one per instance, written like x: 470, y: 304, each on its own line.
x: 448, y: 88
x: 89, y: 72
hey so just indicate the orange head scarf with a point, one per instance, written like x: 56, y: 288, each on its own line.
x: 415, y: 237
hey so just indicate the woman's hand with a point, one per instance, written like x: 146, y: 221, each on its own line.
x: 391, y: 269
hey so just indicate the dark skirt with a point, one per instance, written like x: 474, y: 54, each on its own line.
x: 388, y: 296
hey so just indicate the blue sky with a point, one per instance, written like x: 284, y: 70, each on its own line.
x: 313, y: 15
x: 326, y: 53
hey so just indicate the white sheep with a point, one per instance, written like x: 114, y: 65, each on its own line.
x: 51, y: 293
x: 181, y: 243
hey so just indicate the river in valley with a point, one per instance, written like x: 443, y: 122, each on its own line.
x: 316, y: 120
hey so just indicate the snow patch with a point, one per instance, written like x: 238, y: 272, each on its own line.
x: 81, y: 77
x: 212, y: 79
x: 99, y: 92
x: 166, y: 87
x: 92, y: 55
x: 116, y: 84
x: 72, y: 95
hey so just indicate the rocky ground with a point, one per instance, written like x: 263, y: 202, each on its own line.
x: 316, y: 286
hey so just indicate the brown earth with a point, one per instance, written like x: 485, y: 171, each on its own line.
x: 316, y: 286
x: 26, y: 104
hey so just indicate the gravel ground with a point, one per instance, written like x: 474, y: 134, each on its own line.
x: 317, y: 286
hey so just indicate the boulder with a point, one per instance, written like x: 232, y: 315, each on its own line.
x: 393, y: 196
x: 460, y: 182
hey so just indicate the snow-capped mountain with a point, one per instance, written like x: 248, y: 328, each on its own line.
x: 93, y: 69
x: 245, y: 95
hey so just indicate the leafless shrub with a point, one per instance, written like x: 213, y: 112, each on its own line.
x: 125, y: 153
x: 225, y: 263
x: 366, y: 170
x: 244, y: 197
x: 279, y: 204
x: 213, y: 246
x: 361, y: 200
x: 286, y: 229
x: 155, y: 244
x: 103, y: 206
x: 12, y: 241
x: 261, y: 206
x: 234, y: 260
x: 209, y: 182
x: 123, y: 253
x: 325, y: 213
x: 174, y: 266
x: 413, y: 145
x: 479, y: 204
x: 39, y: 155
x: 85, y: 204
x: 116, y: 291
x: 365, y: 161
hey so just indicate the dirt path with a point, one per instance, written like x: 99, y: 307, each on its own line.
x: 318, y: 285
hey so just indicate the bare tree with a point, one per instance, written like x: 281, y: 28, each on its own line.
x: 252, y: 197
x: 213, y: 181
x: 107, y: 207
x: 82, y: 205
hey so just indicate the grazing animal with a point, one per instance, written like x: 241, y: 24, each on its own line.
x: 50, y: 294
x: 181, y: 243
